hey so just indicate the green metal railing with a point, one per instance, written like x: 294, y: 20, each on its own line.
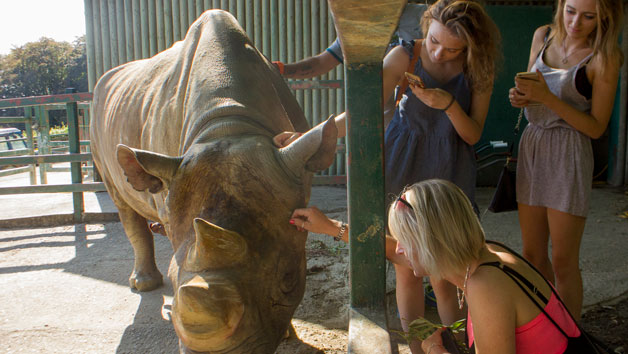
x: 28, y: 122
x: 39, y: 107
x: 43, y: 151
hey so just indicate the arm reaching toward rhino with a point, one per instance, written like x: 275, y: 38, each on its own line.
x: 313, y: 220
x: 286, y: 138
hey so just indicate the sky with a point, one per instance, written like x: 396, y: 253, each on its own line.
x: 23, y: 21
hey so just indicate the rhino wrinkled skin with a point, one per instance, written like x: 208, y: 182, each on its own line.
x: 185, y: 138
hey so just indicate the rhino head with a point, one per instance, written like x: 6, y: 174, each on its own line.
x: 238, y: 270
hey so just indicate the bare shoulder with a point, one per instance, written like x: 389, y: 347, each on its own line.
x: 604, y: 70
x: 486, y: 282
x: 539, y: 36
x: 398, y: 57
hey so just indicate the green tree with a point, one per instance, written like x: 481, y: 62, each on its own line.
x: 44, y: 67
x: 77, y: 66
x: 37, y: 68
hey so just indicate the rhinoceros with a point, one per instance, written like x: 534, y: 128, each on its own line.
x: 185, y: 139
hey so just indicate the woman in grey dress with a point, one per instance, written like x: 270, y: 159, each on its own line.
x: 577, y: 62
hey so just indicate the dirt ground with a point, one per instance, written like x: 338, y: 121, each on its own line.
x: 64, y: 289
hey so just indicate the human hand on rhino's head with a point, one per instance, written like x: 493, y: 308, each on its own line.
x: 313, y: 220
x: 286, y: 138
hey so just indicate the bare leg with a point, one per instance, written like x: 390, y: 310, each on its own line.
x: 410, y: 300
x: 409, y: 292
x: 535, y: 237
x: 145, y: 274
x: 566, y: 234
x: 446, y: 301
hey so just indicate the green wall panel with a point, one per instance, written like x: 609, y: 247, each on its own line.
x: 517, y: 25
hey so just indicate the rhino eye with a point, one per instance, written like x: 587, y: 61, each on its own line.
x: 289, y: 281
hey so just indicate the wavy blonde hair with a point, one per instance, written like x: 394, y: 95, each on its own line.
x: 471, y: 24
x: 441, y: 232
x: 604, y: 38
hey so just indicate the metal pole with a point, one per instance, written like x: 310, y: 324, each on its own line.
x: 121, y: 31
x: 161, y: 30
x: 91, y: 51
x: 249, y: 20
x: 283, y: 24
x: 168, y: 41
x: 199, y: 8
x: 290, y: 33
x: 176, y: 20
x: 257, y: 24
x: 128, y: 30
x: 183, y: 8
x: 274, y: 31
x: 145, y: 38
x: 113, y: 33
x: 265, y: 35
x: 137, y: 30
x: 191, y: 12
x: 240, y: 13
x: 307, y: 52
x: 298, y: 43
x: 152, y: 28
x: 106, y: 42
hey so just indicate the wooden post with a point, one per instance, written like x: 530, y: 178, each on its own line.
x: 28, y: 125
x: 364, y: 28
x: 75, y: 148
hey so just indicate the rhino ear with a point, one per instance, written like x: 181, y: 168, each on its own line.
x: 214, y: 247
x: 315, y: 150
x: 145, y: 169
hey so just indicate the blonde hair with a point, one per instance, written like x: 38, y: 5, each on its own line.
x: 471, y: 24
x: 604, y: 38
x: 441, y: 232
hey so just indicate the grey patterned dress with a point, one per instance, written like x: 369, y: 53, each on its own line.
x: 555, y: 162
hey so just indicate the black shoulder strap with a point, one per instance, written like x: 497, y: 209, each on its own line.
x: 511, y: 276
x: 516, y: 254
x: 546, y: 281
x: 520, y: 278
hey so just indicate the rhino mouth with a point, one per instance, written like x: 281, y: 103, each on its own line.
x: 254, y: 344
x: 206, y: 315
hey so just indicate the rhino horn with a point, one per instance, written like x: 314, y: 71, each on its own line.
x: 314, y: 150
x: 206, y: 315
x: 146, y: 169
x: 214, y: 247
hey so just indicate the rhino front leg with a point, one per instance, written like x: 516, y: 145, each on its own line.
x: 145, y: 274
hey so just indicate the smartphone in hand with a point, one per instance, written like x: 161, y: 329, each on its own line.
x: 529, y: 75
x: 414, y: 80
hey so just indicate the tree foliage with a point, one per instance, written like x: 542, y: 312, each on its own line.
x: 45, y: 67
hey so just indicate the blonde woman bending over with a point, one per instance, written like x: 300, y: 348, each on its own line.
x: 439, y: 235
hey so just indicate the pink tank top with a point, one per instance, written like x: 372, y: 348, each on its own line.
x: 540, y: 335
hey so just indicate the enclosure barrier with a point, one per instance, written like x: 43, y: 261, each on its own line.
x: 46, y: 154
x: 75, y: 157
x: 28, y: 122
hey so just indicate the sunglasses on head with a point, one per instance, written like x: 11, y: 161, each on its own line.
x: 401, y: 199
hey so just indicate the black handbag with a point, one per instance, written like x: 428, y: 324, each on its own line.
x: 505, y: 196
